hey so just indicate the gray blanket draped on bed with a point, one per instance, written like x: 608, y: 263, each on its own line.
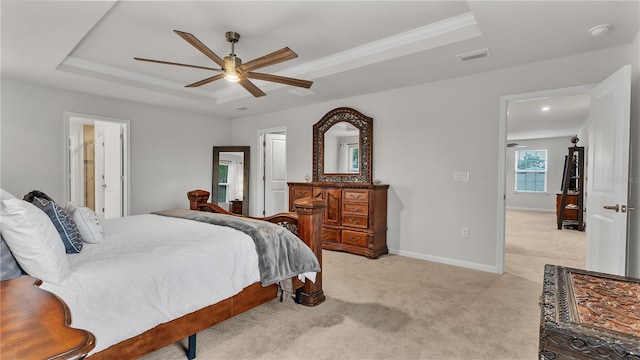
x: 281, y: 254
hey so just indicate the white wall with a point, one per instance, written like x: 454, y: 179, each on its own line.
x: 557, y: 149
x: 422, y: 135
x: 170, y: 149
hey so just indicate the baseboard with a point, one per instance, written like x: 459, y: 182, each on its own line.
x: 530, y: 209
x: 448, y: 261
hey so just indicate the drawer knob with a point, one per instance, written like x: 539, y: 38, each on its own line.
x: 353, y: 238
x: 354, y: 221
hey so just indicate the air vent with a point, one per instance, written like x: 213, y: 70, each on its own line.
x: 476, y: 54
x: 242, y: 108
x: 302, y: 91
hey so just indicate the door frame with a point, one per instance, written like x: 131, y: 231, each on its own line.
x: 126, y: 145
x: 260, y: 179
x: 502, y: 155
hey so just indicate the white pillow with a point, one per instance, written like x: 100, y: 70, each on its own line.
x: 5, y: 195
x: 34, y: 241
x: 88, y: 223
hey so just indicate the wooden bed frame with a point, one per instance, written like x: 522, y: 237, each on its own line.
x: 308, y: 221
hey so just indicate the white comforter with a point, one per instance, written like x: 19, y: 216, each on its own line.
x: 151, y: 269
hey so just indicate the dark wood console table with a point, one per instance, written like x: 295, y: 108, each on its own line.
x: 588, y: 315
x: 34, y: 324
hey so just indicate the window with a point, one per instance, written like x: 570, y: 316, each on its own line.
x: 531, y: 171
x: 354, y: 158
x: 223, y: 181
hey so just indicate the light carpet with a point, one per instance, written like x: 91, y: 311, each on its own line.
x: 402, y: 308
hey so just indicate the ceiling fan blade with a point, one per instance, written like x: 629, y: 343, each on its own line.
x: 251, y: 87
x: 200, y: 46
x: 275, y: 57
x: 279, y: 79
x: 206, y: 81
x: 178, y: 64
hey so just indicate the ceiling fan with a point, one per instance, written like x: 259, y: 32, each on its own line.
x: 232, y: 68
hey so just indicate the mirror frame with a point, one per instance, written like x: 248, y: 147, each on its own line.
x: 364, y: 124
x: 245, y: 175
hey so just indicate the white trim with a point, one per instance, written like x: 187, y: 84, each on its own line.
x: 530, y: 209
x: 502, y: 154
x: 126, y: 126
x: 445, y: 32
x: 441, y: 260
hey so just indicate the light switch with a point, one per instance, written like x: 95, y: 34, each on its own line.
x: 461, y: 176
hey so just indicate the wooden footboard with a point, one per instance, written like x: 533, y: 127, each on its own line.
x: 307, y: 220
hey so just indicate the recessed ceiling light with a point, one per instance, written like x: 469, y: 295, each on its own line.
x: 545, y: 108
x: 600, y: 30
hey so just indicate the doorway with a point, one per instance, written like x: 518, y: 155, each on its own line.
x: 507, y: 165
x: 97, y: 163
x: 272, y: 179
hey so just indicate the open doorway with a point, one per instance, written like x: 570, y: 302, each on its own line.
x: 272, y: 183
x: 97, y: 164
x: 532, y: 131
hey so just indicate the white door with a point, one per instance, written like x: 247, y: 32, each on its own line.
x: 108, y: 169
x: 275, y: 171
x: 607, y: 174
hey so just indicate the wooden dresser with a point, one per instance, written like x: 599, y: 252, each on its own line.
x: 589, y: 315
x: 355, y: 219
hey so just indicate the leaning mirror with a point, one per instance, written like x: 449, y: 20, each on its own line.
x: 342, y: 147
x: 230, y: 178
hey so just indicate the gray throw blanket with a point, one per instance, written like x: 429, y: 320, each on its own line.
x: 281, y: 254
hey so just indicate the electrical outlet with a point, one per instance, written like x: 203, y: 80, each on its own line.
x: 464, y: 232
x: 461, y: 176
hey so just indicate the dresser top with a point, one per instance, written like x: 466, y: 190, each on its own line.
x: 342, y: 185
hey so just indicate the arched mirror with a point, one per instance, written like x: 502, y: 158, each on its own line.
x: 342, y: 148
x: 230, y: 178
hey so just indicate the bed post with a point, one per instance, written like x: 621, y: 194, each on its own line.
x: 310, y: 212
x: 197, y: 197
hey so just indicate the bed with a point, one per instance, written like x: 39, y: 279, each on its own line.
x: 219, y: 274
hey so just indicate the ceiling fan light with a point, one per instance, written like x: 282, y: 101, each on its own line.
x: 231, y: 76
x: 230, y: 66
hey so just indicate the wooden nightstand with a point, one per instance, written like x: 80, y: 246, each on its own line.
x: 34, y: 324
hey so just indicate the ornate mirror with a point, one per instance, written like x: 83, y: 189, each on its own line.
x: 230, y: 178
x: 342, y: 148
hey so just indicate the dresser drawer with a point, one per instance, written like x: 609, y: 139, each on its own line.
x: 355, y: 221
x: 330, y: 235
x: 354, y: 238
x: 355, y: 195
x: 355, y: 208
x: 301, y: 193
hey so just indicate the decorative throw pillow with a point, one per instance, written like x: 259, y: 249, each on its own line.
x: 9, y: 268
x: 34, y: 241
x: 28, y: 197
x: 63, y: 222
x: 88, y: 223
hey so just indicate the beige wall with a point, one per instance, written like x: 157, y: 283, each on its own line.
x: 170, y: 150
x: 422, y: 135
x: 557, y: 149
